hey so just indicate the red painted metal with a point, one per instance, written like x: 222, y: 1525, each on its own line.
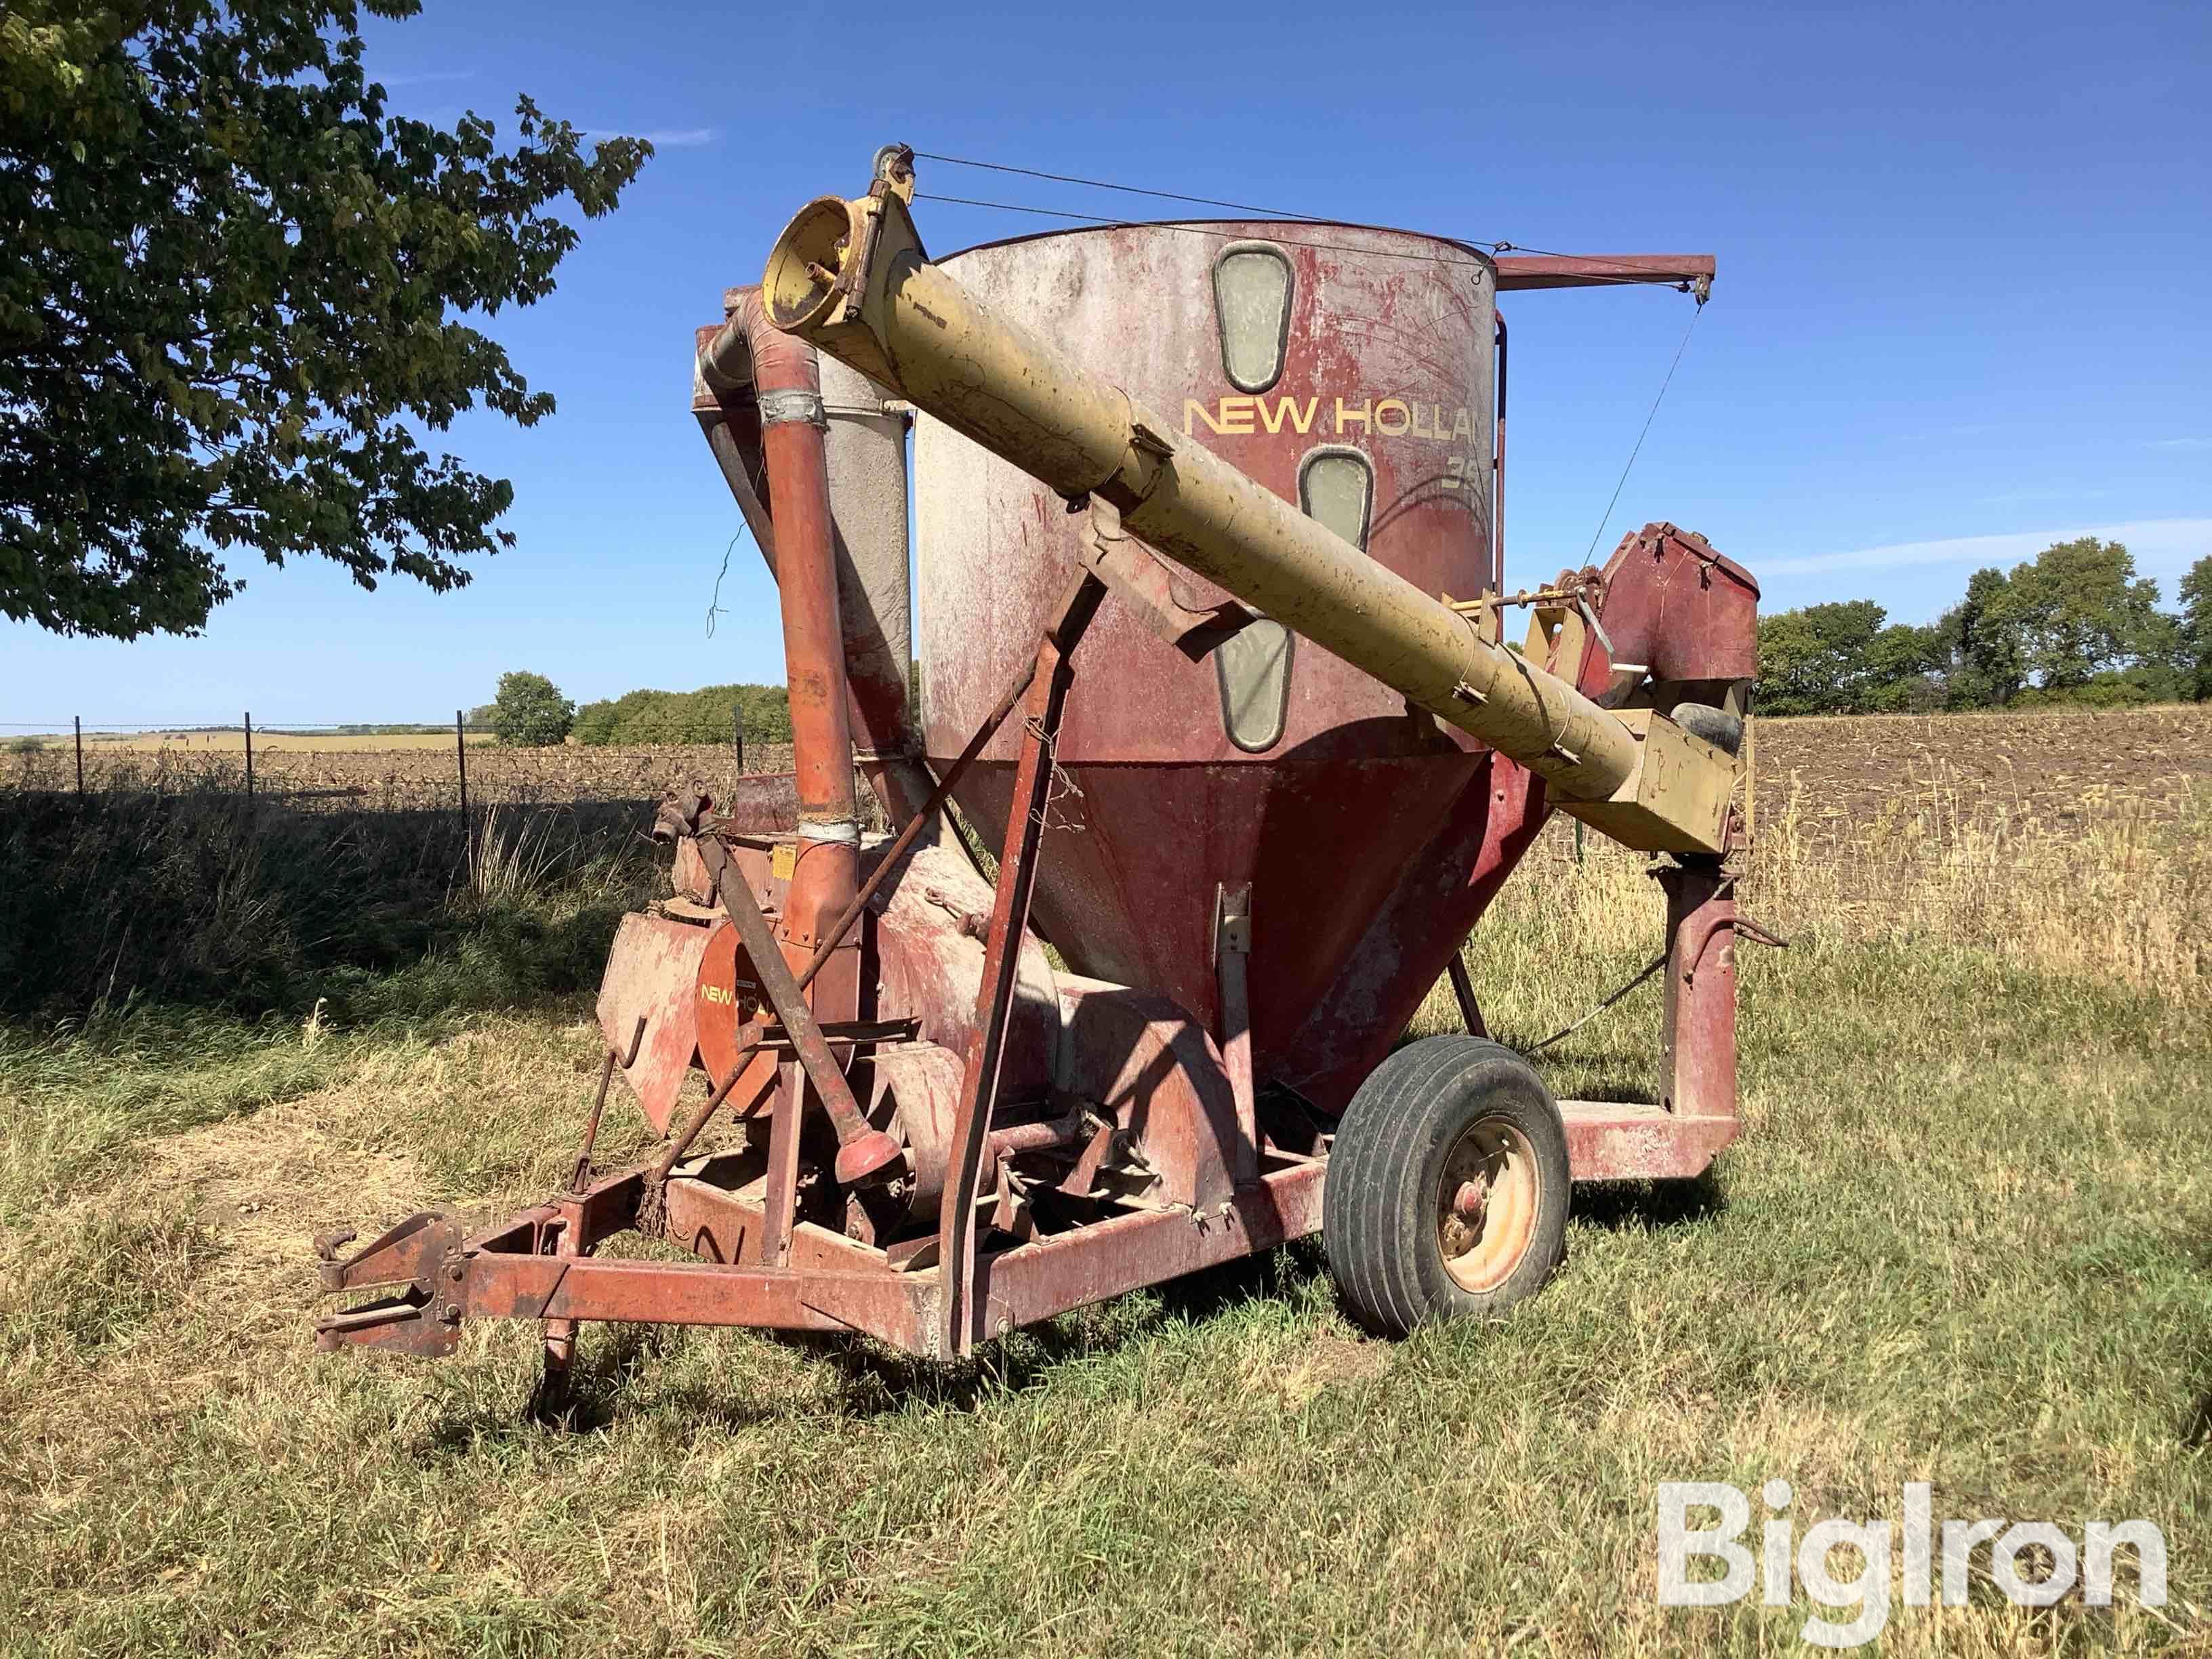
x: 1245, y: 932
x: 555, y: 1289
x: 1232, y: 944
x: 862, y: 1150
x: 726, y: 403
x: 1157, y: 1075
x: 1527, y: 270
x: 1388, y: 357
x: 1010, y: 916
x: 1688, y: 614
x: 921, y: 820
x: 649, y: 977
x: 1699, y: 1028
x: 787, y: 382
x: 1614, y: 1140
x: 1071, y: 1270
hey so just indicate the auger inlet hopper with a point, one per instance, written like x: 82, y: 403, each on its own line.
x: 1349, y: 371
x: 1214, y: 663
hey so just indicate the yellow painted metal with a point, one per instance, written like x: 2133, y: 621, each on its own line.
x: 852, y: 278
x: 1677, y: 798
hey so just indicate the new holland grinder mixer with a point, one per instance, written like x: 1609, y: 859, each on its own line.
x: 1211, y: 626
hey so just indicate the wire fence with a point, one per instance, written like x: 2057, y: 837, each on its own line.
x: 353, y: 765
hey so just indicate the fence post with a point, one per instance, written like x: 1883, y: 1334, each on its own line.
x: 249, y: 757
x: 461, y: 757
x: 78, y: 721
x: 737, y: 735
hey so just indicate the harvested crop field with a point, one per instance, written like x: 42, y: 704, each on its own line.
x: 231, y: 740
x: 2051, y: 770
x: 388, y: 774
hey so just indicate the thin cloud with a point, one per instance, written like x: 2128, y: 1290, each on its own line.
x: 426, y: 78
x: 665, y: 137
x: 2181, y: 443
x: 2156, y: 543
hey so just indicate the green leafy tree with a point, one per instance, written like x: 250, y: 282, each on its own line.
x: 230, y: 286
x: 529, y: 711
x: 1980, y: 649
x: 1903, y: 668
x: 1834, y: 659
x: 2077, y: 611
x: 2194, y: 636
x: 638, y: 718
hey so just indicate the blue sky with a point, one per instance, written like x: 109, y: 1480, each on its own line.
x: 1965, y: 273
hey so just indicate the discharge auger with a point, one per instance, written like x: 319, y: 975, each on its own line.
x: 1245, y: 476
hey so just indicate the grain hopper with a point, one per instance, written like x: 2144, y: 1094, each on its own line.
x: 1214, y: 628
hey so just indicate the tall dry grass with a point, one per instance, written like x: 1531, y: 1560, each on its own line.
x: 1958, y: 877
x: 2124, y: 896
x: 208, y: 901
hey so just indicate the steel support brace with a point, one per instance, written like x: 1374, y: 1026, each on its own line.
x: 915, y: 825
x: 1010, y: 913
x: 896, y: 1307
x: 1700, y: 1009
x: 1111, y: 1258
x: 779, y: 1206
x: 1470, y: 1011
x: 560, y: 1333
x: 862, y: 1150
x: 1232, y: 944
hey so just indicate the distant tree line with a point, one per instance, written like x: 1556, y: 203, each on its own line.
x: 529, y: 711
x: 2075, y: 624
x: 700, y: 716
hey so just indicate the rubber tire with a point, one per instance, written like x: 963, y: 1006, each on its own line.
x: 1378, y: 1206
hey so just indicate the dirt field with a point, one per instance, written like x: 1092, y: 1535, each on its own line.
x: 233, y: 742
x: 385, y: 773
x: 2046, y: 769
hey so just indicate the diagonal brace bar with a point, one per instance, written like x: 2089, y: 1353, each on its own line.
x: 1002, y: 952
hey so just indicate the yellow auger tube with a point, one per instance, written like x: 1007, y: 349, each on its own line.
x: 851, y: 278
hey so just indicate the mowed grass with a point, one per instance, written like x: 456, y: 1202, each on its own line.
x: 1966, y: 1239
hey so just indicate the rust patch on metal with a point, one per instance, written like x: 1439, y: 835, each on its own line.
x: 651, y: 974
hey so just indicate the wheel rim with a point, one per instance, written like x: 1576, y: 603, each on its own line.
x: 1486, y: 1197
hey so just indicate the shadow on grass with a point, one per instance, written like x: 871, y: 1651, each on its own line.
x: 208, y: 901
x: 1648, y: 1206
x: 877, y: 1379
x: 872, y: 1378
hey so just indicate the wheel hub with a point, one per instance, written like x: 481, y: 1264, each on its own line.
x: 1486, y: 1204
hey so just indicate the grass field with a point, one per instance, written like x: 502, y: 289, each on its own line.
x: 1967, y: 1240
